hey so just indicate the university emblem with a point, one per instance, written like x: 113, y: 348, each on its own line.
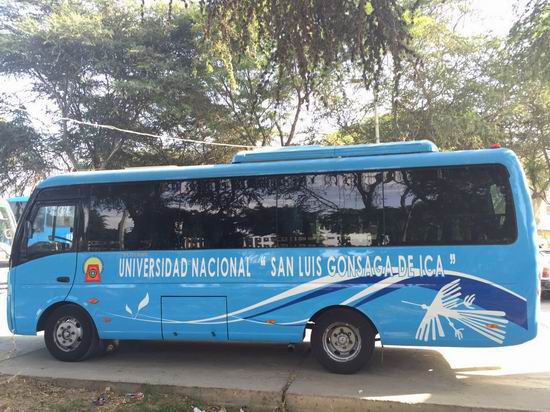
x: 92, y: 269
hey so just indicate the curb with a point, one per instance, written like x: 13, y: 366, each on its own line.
x: 268, y: 400
x: 314, y: 403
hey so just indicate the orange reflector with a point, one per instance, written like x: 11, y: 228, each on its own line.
x: 93, y: 301
x: 270, y: 321
x: 491, y: 326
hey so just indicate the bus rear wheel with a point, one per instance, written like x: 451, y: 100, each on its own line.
x: 70, y: 334
x: 343, y: 341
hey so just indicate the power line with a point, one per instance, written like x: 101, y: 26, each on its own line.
x: 118, y: 129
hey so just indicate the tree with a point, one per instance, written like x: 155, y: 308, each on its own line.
x: 25, y: 157
x: 441, y: 94
x: 101, y: 62
x: 470, y: 92
x: 306, y: 40
x: 265, y: 111
x: 526, y: 107
x: 529, y: 39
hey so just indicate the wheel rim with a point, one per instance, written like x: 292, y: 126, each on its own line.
x: 67, y: 334
x: 342, y: 342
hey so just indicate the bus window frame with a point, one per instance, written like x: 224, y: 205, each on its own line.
x: 499, y: 166
x: 79, y: 195
x: 23, y: 255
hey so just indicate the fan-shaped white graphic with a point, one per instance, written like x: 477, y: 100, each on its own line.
x: 449, y: 305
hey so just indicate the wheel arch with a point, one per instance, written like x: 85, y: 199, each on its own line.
x: 326, y: 309
x: 41, y: 324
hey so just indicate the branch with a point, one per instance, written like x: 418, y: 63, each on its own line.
x: 296, y: 117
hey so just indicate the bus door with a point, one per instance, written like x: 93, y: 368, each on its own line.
x: 48, y: 259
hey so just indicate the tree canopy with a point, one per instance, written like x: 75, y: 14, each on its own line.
x: 307, y: 38
x: 468, y: 92
x: 102, y: 63
x: 260, y: 73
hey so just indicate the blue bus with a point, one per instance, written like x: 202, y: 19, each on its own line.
x: 397, y: 242
x: 43, y: 221
x: 17, y: 205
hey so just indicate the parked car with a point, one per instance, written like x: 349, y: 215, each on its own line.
x: 545, y: 271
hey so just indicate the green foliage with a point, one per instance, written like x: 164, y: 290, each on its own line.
x: 101, y: 62
x: 307, y: 38
x: 526, y: 105
x: 22, y: 151
x: 468, y: 93
x: 529, y: 40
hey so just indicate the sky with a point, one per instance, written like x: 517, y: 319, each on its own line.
x: 493, y: 16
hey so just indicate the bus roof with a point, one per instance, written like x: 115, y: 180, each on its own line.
x: 16, y: 199
x: 287, y: 160
x: 325, y: 152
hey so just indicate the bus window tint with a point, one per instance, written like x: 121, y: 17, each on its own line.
x: 308, y: 211
x: 451, y: 205
x: 253, y: 205
x: 52, y: 230
x: 455, y: 205
x: 229, y: 213
x: 169, y: 221
x: 361, y: 208
x: 121, y: 217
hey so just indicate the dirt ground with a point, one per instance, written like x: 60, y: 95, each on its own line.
x: 29, y: 394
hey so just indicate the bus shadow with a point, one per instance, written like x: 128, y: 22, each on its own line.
x: 394, y: 373
x: 408, y: 374
x: 197, y: 355
x: 423, y: 365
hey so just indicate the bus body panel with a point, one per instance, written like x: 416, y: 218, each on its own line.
x: 37, y: 288
x: 271, y: 294
x: 274, y: 293
x: 10, y: 300
x: 177, y: 323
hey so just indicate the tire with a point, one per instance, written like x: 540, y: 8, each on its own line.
x: 343, y: 341
x: 70, y: 335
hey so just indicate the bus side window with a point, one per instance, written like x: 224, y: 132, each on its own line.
x: 228, y: 213
x: 51, y: 230
x: 308, y: 211
x: 361, y: 208
x: 169, y: 221
x: 448, y: 205
x: 121, y: 217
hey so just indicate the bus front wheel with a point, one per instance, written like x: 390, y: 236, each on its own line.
x: 342, y: 340
x: 70, y: 334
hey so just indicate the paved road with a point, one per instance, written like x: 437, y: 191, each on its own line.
x: 261, y: 375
